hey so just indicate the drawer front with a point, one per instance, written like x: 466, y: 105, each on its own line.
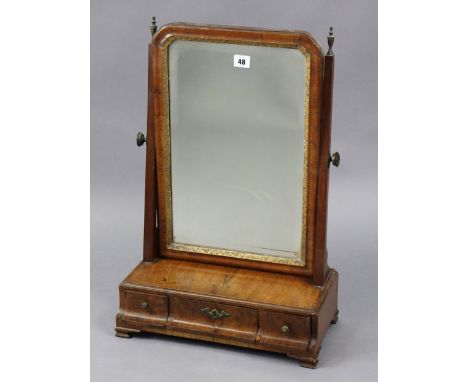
x: 242, y: 323
x: 188, y: 314
x: 150, y: 308
x: 285, y: 330
x: 220, y: 319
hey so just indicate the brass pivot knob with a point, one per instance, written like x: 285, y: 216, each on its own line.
x: 285, y: 329
x: 140, y: 139
x: 335, y: 159
x: 144, y: 305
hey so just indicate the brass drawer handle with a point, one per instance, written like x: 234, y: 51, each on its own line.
x: 215, y: 313
x: 285, y: 329
x: 144, y: 305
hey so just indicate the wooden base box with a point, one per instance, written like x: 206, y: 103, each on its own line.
x: 248, y: 308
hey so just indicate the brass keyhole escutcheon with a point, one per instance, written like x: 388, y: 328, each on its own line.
x: 215, y: 313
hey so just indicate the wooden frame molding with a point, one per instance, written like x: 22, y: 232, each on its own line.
x: 158, y: 131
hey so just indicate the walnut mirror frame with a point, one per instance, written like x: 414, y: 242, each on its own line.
x: 238, y: 296
x: 161, y: 109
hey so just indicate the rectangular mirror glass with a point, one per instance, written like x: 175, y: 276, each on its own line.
x: 238, y: 139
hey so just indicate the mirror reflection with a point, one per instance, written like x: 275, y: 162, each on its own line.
x: 237, y: 147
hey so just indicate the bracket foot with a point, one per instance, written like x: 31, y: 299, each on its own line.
x: 125, y: 332
x: 305, y: 361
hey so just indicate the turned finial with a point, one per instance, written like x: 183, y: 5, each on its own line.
x: 153, y: 26
x: 331, y: 40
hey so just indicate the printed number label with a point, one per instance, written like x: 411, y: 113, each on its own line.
x: 241, y: 61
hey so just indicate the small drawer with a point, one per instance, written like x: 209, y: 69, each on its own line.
x: 150, y: 308
x: 285, y: 330
x: 220, y: 319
